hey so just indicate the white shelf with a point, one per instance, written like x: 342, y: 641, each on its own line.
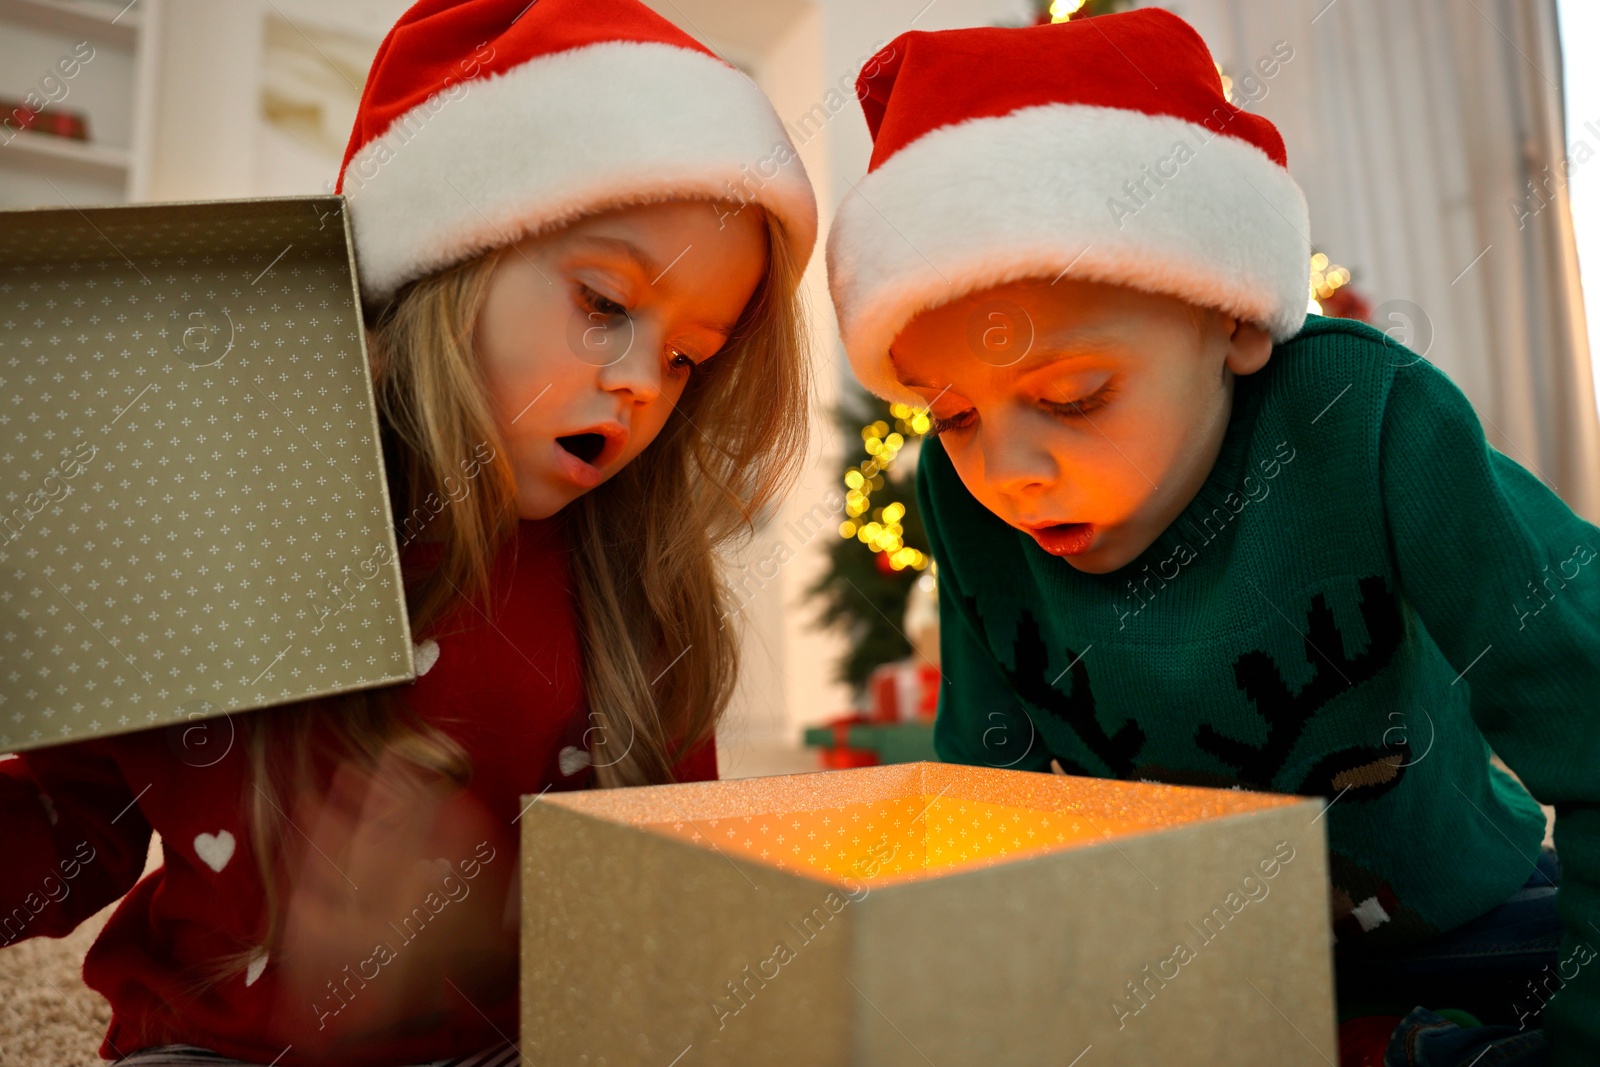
x: 102, y: 21
x: 62, y: 154
x: 116, y: 94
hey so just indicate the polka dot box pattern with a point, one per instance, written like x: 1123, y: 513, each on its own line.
x: 924, y: 913
x: 195, y: 519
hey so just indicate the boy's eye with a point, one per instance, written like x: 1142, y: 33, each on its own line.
x: 1073, y: 409
x: 956, y: 422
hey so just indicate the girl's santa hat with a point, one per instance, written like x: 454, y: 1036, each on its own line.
x: 1101, y: 149
x: 486, y: 121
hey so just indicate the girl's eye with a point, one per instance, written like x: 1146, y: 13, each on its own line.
x: 598, y: 305
x: 955, y: 422
x: 1075, y: 409
x: 681, y: 363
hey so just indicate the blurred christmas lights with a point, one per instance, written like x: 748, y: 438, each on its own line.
x: 879, y: 528
x: 1325, y: 279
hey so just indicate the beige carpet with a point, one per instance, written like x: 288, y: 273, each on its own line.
x: 48, y: 1017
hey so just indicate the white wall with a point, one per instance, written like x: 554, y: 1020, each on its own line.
x: 1580, y: 34
x: 210, y: 140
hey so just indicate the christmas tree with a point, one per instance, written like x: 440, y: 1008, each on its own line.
x: 881, y: 549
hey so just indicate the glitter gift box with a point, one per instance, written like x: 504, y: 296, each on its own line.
x: 195, y: 518
x: 925, y: 914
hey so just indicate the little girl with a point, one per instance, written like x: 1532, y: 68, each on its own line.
x: 579, y: 237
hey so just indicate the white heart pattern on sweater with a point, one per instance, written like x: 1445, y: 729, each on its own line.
x: 439, y: 868
x: 258, y: 963
x: 427, y: 654
x: 215, y: 849
x: 572, y: 760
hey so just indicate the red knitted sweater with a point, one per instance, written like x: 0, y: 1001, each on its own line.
x: 78, y: 819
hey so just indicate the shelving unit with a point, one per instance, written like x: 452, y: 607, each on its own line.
x: 50, y: 153
x: 114, y: 88
x: 77, y: 18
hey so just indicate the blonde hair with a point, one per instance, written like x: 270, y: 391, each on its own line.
x: 658, y: 665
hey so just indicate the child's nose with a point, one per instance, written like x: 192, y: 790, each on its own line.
x: 636, y: 372
x: 1016, y: 466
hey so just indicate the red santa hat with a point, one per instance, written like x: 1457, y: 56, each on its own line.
x: 485, y: 121
x: 1101, y: 149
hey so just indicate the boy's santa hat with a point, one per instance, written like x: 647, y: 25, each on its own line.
x: 485, y: 121
x: 1101, y: 149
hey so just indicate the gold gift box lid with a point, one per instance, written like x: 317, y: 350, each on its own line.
x: 195, y: 516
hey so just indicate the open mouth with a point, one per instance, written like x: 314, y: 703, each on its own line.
x: 586, y: 446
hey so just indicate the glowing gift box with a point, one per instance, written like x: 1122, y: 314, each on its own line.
x: 194, y: 518
x: 925, y: 914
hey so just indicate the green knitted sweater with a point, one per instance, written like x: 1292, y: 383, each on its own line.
x: 1361, y: 600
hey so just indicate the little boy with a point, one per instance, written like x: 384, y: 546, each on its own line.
x: 1187, y: 533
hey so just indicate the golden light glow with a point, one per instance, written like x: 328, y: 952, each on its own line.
x: 1062, y: 10
x: 905, y: 839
